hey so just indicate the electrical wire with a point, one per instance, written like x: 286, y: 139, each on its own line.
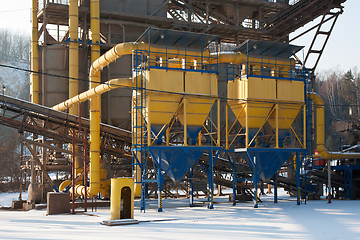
x: 15, y: 10
x: 154, y: 90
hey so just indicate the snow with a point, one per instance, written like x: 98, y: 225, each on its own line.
x: 7, y: 198
x: 284, y: 220
x: 15, y: 81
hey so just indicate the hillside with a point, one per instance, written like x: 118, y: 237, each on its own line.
x: 16, y: 81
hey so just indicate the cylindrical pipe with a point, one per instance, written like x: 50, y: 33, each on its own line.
x: 97, y: 91
x: 95, y: 103
x: 73, y: 53
x: 74, y: 65
x: 34, y: 77
x: 320, y: 132
x: 239, y: 58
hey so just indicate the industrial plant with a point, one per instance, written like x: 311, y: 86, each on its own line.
x: 151, y: 99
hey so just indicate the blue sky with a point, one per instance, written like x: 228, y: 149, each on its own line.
x: 341, y: 52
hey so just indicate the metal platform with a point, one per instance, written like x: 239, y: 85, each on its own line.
x: 266, y: 20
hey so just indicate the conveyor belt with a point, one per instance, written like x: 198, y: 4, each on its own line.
x: 55, y: 125
x: 296, y: 16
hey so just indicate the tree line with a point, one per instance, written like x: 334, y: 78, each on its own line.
x: 340, y: 91
x: 14, y: 45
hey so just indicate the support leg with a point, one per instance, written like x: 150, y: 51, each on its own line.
x: 191, y: 187
x: 275, y: 189
x: 211, y: 184
x: 256, y: 181
x: 256, y: 204
x: 143, y: 187
x: 262, y: 192
x: 329, y: 180
x: 159, y: 183
x: 234, y: 182
x: 298, y: 178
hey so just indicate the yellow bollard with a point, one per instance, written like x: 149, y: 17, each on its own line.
x: 122, y: 198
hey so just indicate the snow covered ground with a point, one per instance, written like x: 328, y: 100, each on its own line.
x: 7, y: 198
x: 284, y: 220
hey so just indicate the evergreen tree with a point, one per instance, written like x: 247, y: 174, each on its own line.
x: 349, y: 93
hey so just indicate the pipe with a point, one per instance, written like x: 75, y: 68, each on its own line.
x: 34, y: 77
x: 73, y: 52
x: 320, y: 132
x: 95, y: 103
x: 74, y: 65
x: 98, y: 90
x: 94, y: 76
x: 239, y: 58
x: 127, y: 48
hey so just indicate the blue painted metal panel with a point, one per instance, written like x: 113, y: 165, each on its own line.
x: 267, y: 163
x: 193, y: 131
x: 156, y: 129
x: 176, y: 162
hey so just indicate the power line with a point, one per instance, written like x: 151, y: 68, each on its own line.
x: 14, y: 10
x: 154, y: 90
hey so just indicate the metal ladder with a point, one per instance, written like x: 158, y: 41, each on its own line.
x: 139, y: 126
x: 321, y: 31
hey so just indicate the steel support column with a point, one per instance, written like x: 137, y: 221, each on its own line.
x: 298, y: 192
x: 191, y: 190
x: 159, y: 183
x: 234, y: 182
x: 256, y: 183
x: 275, y: 189
x: 211, y: 182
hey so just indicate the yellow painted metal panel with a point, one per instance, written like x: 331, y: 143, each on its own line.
x: 197, y: 111
x: 162, y: 80
x: 201, y: 83
x: 252, y: 88
x: 290, y: 90
x: 288, y: 113
x: 163, y: 102
x: 261, y: 94
x: 117, y: 201
x: 257, y: 113
x: 198, y: 107
x: 256, y: 92
x: 161, y: 108
x: 237, y: 89
x: 261, y: 88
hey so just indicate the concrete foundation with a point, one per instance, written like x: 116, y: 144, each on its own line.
x: 241, y: 197
x: 58, y: 203
x: 18, y: 204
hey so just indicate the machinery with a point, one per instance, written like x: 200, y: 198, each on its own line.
x: 266, y: 94
x: 186, y: 102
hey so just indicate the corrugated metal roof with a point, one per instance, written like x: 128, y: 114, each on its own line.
x: 173, y: 38
x: 271, y: 49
